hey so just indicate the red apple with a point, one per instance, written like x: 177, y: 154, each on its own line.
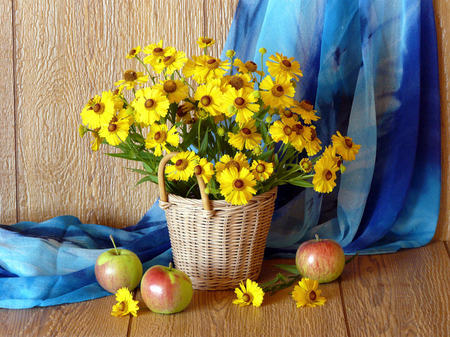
x: 118, y: 268
x: 321, y: 260
x: 166, y: 290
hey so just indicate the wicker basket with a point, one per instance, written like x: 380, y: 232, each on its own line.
x: 215, y: 243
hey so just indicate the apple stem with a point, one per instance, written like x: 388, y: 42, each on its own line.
x: 170, y: 265
x: 114, y: 244
x: 317, y: 237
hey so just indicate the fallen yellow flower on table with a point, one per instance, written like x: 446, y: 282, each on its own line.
x: 125, y: 304
x: 251, y: 293
x: 306, y: 293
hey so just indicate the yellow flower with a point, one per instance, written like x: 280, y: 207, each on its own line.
x: 251, y: 293
x: 237, y: 81
x: 247, y: 137
x: 183, y: 112
x: 175, y: 90
x: 261, y: 169
x: 158, y: 137
x: 133, y: 52
x: 209, y: 98
x: 306, y: 111
x: 173, y: 60
x: 116, y: 131
x: 204, y: 42
x: 183, y: 169
x: 299, y: 136
x: 239, y: 161
x: 237, y: 186
x: 306, y: 293
x: 242, y: 103
x: 205, y: 68
x: 131, y: 79
x: 345, y: 146
x: 330, y: 154
x: 278, y: 94
x: 125, y: 304
x: 325, y: 175
x: 155, y: 53
x: 247, y: 67
x: 204, y: 169
x: 96, y: 141
x: 306, y: 165
x: 283, y: 68
x: 312, y: 144
x: 281, y: 130
x: 150, y: 105
x: 99, y: 110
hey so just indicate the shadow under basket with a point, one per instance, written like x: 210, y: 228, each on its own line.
x: 215, y: 243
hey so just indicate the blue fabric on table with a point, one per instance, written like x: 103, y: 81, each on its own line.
x: 371, y: 68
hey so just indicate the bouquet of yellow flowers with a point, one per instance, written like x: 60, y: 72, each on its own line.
x: 239, y: 129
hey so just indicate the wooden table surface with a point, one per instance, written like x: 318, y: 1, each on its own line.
x: 401, y: 294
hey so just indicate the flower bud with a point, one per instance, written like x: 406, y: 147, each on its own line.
x: 82, y: 130
x: 230, y: 53
x: 342, y: 168
x: 262, y: 50
x: 221, y: 131
x: 207, y: 191
x: 269, y: 119
x: 256, y: 94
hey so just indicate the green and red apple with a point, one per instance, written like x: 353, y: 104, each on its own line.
x: 166, y: 290
x: 321, y: 260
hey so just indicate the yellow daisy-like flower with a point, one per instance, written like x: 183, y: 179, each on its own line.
x: 247, y: 137
x: 239, y: 161
x: 247, y: 294
x: 345, y: 146
x: 116, y: 131
x: 307, y: 293
x: 175, y: 90
x: 237, y: 81
x: 96, y: 141
x: 150, y: 105
x: 261, y: 169
x: 184, y: 165
x: 306, y: 111
x: 125, y: 304
x: 131, y: 79
x: 243, y: 103
x: 100, y: 110
x: 282, y: 130
x: 277, y: 94
x: 209, y: 98
x: 299, y: 136
x: 325, y: 175
x: 204, y: 169
x: 205, y: 68
x: 133, y: 52
x: 204, y: 41
x: 306, y: 165
x: 237, y: 186
x: 173, y: 60
x: 155, y: 53
x: 283, y: 68
x: 330, y: 154
x: 247, y: 67
x: 183, y: 112
x: 159, y: 136
x: 312, y: 144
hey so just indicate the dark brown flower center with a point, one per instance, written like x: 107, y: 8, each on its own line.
x: 288, y: 113
x: 239, y: 101
x: 212, y: 63
x: 236, y: 82
x: 149, y: 103
x: 179, y: 162
x: 168, y: 60
x: 181, y: 112
x: 246, y: 131
x: 298, y: 129
x: 286, y: 63
x: 305, y: 104
x: 348, y: 142
x: 233, y: 163
x: 278, y: 90
x: 98, y: 108
x: 260, y: 168
x: 112, y: 127
x: 132, y: 52
x: 158, y: 51
x: 251, y: 66
x: 207, y: 40
x: 122, y: 306
x: 206, y: 100
x: 238, y: 183
x: 157, y: 135
x: 312, y: 295
x: 198, y: 170
x: 328, y: 175
x: 246, y: 298
x: 313, y: 134
x: 130, y: 76
x: 287, y: 130
x: 170, y: 86
x: 114, y: 119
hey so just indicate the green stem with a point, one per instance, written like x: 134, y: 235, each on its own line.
x: 146, y: 68
x: 114, y: 244
x: 198, y: 134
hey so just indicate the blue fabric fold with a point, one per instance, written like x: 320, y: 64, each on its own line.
x: 371, y: 69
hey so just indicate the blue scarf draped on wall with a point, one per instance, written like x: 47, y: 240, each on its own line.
x: 371, y: 69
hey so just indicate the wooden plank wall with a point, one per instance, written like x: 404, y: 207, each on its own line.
x: 57, y: 54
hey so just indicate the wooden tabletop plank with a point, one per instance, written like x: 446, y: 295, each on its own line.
x: 401, y: 294
x: 211, y: 313
x: 90, y: 318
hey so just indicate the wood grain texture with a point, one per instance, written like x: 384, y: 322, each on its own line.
x: 7, y: 141
x: 442, y: 17
x: 91, y: 318
x: 211, y: 313
x: 67, y: 52
x: 401, y: 294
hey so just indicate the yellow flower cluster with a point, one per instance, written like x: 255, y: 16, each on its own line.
x: 224, y: 117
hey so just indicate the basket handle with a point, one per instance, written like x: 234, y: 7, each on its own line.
x: 162, y: 184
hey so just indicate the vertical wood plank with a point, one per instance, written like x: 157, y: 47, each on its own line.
x: 401, y: 294
x: 442, y: 16
x: 67, y: 52
x: 7, y: 117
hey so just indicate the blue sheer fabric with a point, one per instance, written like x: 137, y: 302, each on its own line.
x: 371, y: 68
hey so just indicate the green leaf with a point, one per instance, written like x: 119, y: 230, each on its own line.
x: 149, y: 177
x: 290, y: 268
x: 300, y: 183
x: 204, y: 144
x: 129, y: 156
